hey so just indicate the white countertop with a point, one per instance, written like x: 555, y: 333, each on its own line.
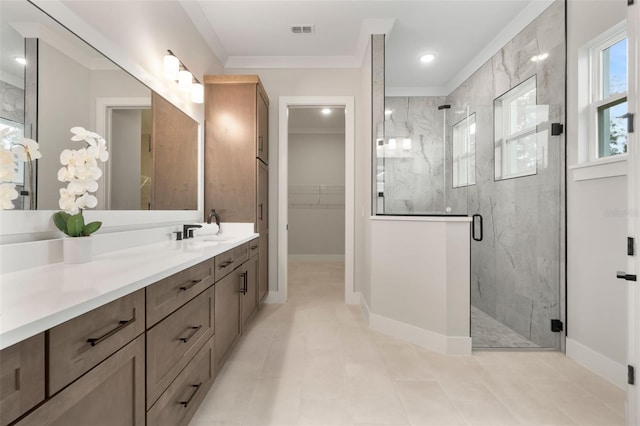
x: 36, y: 299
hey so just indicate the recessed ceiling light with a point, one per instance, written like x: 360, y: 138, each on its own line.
x: 427, y: 57
x: 20, y: 60
x: 326, y: 111
x: 387, y: 112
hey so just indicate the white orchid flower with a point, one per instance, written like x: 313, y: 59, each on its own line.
x: 67, y: 202
x: 8, y: 173
x: 6, y: 157
x: 81, y: 134
x: 8, y: 193
x: 66, y: 174
x: 86, y: 201
x: 27, y: 150
x: 80, y: 186
x: 99, y: 152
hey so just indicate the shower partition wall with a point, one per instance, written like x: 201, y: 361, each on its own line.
x: 490, y: 150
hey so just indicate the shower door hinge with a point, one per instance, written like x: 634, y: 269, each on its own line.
x: 631, y: 375
x: 631, y: 246
x: 556, y: 129
x: 556, y: 325
x: 629, y: 2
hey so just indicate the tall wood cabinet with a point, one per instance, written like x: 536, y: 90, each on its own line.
x: 236, y: 170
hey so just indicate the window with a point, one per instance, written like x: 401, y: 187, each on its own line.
x: 516, y: 117
x: 608, y: 105
x: 464, y: 152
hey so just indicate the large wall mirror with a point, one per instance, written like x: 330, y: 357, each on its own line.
x: 64, y: 83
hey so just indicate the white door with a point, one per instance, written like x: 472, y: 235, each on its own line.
x: 633, y: 395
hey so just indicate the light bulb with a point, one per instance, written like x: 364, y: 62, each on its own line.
x: 326, y: 111
x: 171, y: 67
x: 427, y: 57
x: 184, y: 80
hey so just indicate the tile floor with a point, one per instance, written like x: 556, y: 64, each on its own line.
x: 313, y: 361
x: 487, y: 332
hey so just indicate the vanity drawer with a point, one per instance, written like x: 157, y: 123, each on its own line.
x: 240, y: 254
x: 180, y: 401
x: 21, y: 378
x: 254, y: 245
x: 224, y: 264
x: 80, y: 344
x: 169, y: 294
x: 173, y: 342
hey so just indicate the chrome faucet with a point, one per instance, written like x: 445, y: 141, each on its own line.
x: 217, y: 216
x: 187, y: 230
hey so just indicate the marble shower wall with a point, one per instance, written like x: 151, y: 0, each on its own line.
x: 414, y: 176
x: 11, y: 102
x: 515, y: 271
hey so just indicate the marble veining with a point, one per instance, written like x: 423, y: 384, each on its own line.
x: 11, y: 102
x: 516, y: 267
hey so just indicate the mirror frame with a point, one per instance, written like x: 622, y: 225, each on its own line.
x: 31, y: 225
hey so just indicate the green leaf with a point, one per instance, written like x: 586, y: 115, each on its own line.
x: 92, y: 227
x: 75, y: 225
x: 60, y: 220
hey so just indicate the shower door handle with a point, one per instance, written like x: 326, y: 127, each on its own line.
x: 476, y: 224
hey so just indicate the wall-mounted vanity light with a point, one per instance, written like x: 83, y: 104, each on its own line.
x: 175, y: 70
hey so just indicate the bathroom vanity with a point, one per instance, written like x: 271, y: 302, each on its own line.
x: 135, y: 337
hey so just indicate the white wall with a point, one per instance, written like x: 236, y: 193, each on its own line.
x: 62, y: 104
x: 303, y: 82
x: 596, y: 224
x: 316, y: 222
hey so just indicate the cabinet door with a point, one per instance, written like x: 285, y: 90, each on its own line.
x: 263, y: 268
x: 262, y: 147
x: 262, y: 203
x: 112, y: 394
x: 21, y: 378
x: 250, y: 296
x: 227, y: 314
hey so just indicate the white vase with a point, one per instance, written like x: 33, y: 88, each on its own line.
x: 77, y: 249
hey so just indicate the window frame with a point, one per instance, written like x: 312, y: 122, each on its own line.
x: 597, y: 101
x: 463, y: 129
x: 503, y: 140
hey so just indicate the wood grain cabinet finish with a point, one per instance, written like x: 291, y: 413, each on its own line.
x: 249, y: 298
x: 169, y: 294
x: 227, y: 314
x: 80, y: 344
x: 21, y: 378
x: 173, y: 342
x: 253, y: 247
x: 180, y: 401
x: 263, y: 268
x: 262, y: 118
x: 111, y: 394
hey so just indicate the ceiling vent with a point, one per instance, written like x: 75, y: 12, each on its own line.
x: 302, y: 29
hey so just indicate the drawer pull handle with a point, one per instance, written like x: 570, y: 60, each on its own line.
x: 196, y: 388
x: 195, y: 330
x: 227, y: 263
x: 188, y: 286
x: 123, y: 324
x: 253, y: 247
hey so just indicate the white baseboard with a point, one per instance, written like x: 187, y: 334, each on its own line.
x: 600, y: 364
x: 365, y: 309
x: 419, y: 336
x: 274, y: 297
x: 316, y: 258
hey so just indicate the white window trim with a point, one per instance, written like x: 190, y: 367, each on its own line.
x: 466, y: 155
x: 589, y: 165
